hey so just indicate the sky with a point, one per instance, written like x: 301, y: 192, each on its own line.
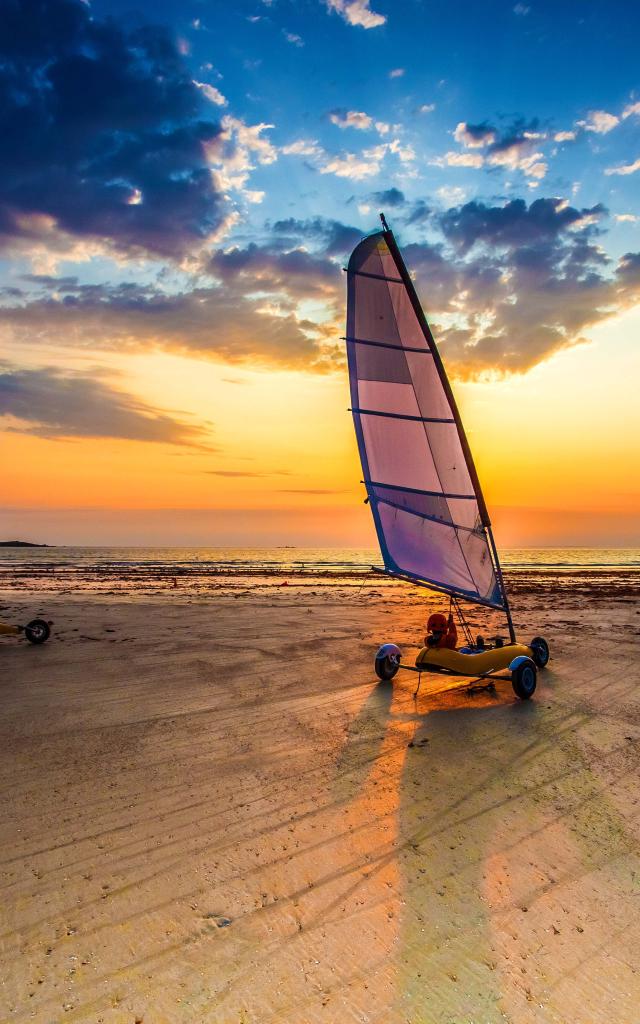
x: 181, y: 185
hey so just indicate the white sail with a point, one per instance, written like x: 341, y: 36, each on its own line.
x: 424, y: 493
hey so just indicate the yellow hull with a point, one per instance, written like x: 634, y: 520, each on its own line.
x: 443, y: 659
x: 7, y: 630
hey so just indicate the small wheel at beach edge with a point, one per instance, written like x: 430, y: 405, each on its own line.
x: 387, y: 662
x: 37, y: 631
x: 524, y: 679
x: 540, y: 649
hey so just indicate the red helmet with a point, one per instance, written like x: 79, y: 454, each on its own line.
x: 437, y: 623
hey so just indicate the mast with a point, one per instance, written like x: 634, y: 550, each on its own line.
x: 422, y: 320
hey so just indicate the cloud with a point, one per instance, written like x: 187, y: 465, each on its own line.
x: 405, y: 153
x: 632, y: 109
x: 505, y: 286
x: 309, y: 490
x: 599, y: 121
x: 630, y: 217
x: 545, y: 298
x: 250, y: 138
x: 303, y: 147
x: 515, y: 223
x: 474, y: 135
x: 354, y: 166
x: 564, y: 136
x: 451, y: 194
x: 397, y: 73
x: 624, y: 168
x: 418, y: 213
x: 516, y: 158
x: 247, y: 315
x: 356, y: 12
x: 292, y: 38
x: 235, y: 154
x: 91, y: 112
x: 212, y: 94
x: 295, y: 272
x: 515, y: 147
x: 537, y: 281
x: 351, y: 119
x: 246, y: 473
x: 331, y: 237
x: 54, y: 404
x: 388, y: 197
x: 452, y: 159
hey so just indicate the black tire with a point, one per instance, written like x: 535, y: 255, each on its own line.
x: 386, y: 668
x: 540, y: 649
x: 524, y: 679
x: 37, y: 631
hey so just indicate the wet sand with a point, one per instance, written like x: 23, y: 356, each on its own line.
x: 211, y: 811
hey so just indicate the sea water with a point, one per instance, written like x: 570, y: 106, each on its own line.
x: 207, y: 570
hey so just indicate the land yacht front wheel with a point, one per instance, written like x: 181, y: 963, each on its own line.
x: 524, y: 678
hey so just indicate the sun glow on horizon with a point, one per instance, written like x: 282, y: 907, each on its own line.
x: 283, y: 442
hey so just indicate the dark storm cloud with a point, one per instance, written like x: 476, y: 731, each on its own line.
x: 52, y: 404
x: 100, y: 132
x: 513, y: 224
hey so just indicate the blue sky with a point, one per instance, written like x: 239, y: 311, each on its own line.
x: 544, y: 64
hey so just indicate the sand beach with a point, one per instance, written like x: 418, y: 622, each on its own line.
x: 212, y: 811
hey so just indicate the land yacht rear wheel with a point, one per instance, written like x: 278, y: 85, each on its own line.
x: 540, y: 649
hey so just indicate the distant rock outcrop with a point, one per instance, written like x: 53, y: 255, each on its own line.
x: 20, y: 544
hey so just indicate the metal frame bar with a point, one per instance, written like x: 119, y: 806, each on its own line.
x: 416, y: 490
x: 422, y: 515
x: 376, y: 277
x: 429, y: 585
x: 400, y: 416
x: 387, y: 344
x: 456, y: 675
